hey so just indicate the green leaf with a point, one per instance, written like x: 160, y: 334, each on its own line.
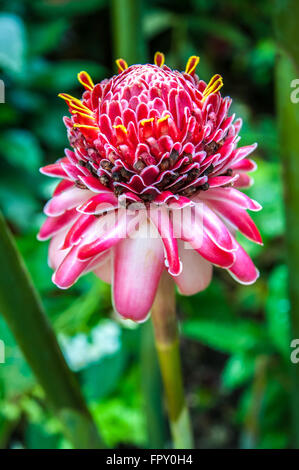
x: 239, y: 368
x: 228, y: 337
x: 21, y: 148
x: 157, y: 21
x: 212, y: 303
x: 277, y: 310
x: 267, y: 190
x: 101, y: 379
x: 45, y: 37
x: 12, y: 42
x: 15, y: 376
x: 60, y: 76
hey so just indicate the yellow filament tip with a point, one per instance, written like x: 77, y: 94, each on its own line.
x: 159, y: 59
x: 121, y: 64
x: 120, y: 126
x: 144, y: 121
x: 85, y: 80
x: 213, y: 86
x: 192, y: 63
x: 85, y: 126
x: 162, y: 119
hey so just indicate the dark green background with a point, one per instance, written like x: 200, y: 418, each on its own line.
x: 235, y: 343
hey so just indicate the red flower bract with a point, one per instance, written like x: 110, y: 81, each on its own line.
x: 149, y: 144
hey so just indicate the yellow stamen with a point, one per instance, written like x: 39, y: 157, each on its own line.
x: 82, y: 114
x: 213, y: 86
x: 121, y: 64
x: 162, y: 119
x: 144, y: 121
x: 159, y: 59
x: 85, y: 80
x: 71, y: 99
x: 120, y: 126
x: 85, y: 126
x: 192, y: 64
x: 77, y: 108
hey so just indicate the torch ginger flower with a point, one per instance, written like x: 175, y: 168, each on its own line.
x: 160, y: 141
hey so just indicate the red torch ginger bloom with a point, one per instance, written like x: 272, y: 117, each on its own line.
x: 149, y: 144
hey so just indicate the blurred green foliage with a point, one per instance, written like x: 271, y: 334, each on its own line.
x: 240, y: 335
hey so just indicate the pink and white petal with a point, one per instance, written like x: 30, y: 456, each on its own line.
x: 197, y: 272
x: 62, y: 186
x: 109, y: 231
x: 230, y: 195
x: 137, y: 267
x: 246, y: 165
x: 216, y: 181
x: 66, y: 200
x: 104, y: 270
x: 99, y: 203
x: 212, y: 253
x: 160, y: 218
x: 199, y: 239
x: 56, y: 254
x: 216, y: 229
x: 70, y: 269
x: 94, y: 184
x: 238, y: 218
x: 244, y: 181
x: 78, y: 229
x: 54, y: 170
x: 53, y: 225
x: 243, y: 269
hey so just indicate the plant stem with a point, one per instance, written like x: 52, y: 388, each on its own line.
x: 152, y: 389
x: 167, y: 344
x: 21, y: 307
x: 127, y: 30
x: 287, y: 70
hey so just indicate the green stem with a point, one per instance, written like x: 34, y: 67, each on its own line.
x: 152, y: 389
x: 287, y: 32
x: 167, y: 344
x: 127, y: 30
x: 21, y: 307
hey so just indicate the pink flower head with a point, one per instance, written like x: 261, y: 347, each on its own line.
x: 150, y: 145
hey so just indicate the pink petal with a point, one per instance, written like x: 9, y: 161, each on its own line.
x: 52, y: 225
x: 54, y: 170
x: 99, y: 203
x: 244, y: 181
x: 246, y: 165
x: 56, y: 254
x: 94, y: 184
x: 66, y: 201
x: 238, y: 218
x: 230, y: 195
x: 104, y: 270
x: 216, y: 229
x: 71, y: 268
x: 216, y: 181
x: 197, y: 272
x: 111, y: 229
x: 62, y: 186
x: 137, y: 268
x: 243, y: 269
x: 160, y: 218
x: 192, y: 232
x: 78, y: 229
